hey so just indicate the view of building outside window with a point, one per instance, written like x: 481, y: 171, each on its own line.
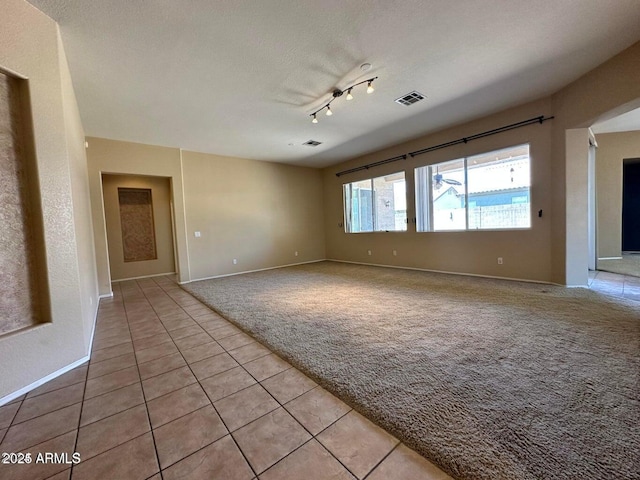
x: 487, y: 191
x: 448, y: 193
x: 498, y: 184
x: 376, y: 204
x: 480, y: 192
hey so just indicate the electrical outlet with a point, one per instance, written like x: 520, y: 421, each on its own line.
x: 499, y: 260
x: 235, y: 261
x: 395, y: 253
x: 368, y: 252
x: 295, y: 253
x: 197, y: 234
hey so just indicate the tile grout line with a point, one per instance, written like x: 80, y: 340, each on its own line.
x: 198, y: 381
x: 144, y: 396
x: 216, y: 410
x: 397, y: 445
x: 373, y: 469
x: 111, y: 358
x: 313, y: 437
x: 281, y: 405
x: 84, y: 391
x: 53, y: 389
x: 108, y: 416
x: 13, y: 418
x: 217, y: 413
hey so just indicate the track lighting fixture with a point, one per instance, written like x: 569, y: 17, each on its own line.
x: 338, y: 93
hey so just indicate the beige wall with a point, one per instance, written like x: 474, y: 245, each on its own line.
x: 608, y: 90
x: 613, y: 148
x: 161, y: 202
x: 555, y: 249
x: 30, y: 47
x: 256, y: 212
x: 83, y: 224
x: 526, y: 253
x: 114, y: 157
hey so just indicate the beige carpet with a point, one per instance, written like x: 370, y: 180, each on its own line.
x: 629, y: 264
x: 489, y: 379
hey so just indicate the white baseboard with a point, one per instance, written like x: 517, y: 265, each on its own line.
x: 445, y: 272
x: 106, y: 295
x: 42, y: 381
x: 610, y: 258
x: 65, y: 369
x: 252, y: 271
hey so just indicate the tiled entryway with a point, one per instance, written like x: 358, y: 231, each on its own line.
x: 614, y: 284
x: 173, y: 391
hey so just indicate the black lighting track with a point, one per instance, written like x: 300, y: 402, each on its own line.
x: 488, y: 133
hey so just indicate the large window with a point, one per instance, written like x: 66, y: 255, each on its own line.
x: 487, y: 191
x: 376, y: 204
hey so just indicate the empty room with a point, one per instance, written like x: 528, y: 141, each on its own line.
x: 320, y: 240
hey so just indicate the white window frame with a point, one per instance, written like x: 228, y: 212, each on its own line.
x: 424, y: 194
x: 347, y: 206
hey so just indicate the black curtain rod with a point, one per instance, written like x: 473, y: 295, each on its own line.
x: 505, y: 128
x: 374, y: 164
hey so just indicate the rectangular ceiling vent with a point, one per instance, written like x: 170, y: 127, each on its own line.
x: 312, y: 143
x: 410, y: 98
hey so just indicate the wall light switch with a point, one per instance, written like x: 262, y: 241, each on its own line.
x: 296, y: 254
x: 235, y: 261
x: 197, y: 234
x: 395, y: 253
x: 368, y: 252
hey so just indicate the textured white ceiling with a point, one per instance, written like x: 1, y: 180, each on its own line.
x: 240, y: 78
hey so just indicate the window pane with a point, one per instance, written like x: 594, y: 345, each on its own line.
x: 358, y: 207
x: 499, y: 189
x: 448, y: 190
x: 378, y: 204
x: 390, y: 202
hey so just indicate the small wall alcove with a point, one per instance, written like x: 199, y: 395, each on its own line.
x: 24, y: 298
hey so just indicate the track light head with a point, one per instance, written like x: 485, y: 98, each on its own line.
x: 329, y: 112
x: 370, y: 88
x: 349, y: 96
x: 315, y: 119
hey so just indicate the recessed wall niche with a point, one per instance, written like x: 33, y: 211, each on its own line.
x: 23, y: 276
x: 136, y: 219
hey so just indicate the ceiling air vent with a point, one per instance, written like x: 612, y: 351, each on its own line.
x: 312, y: 143
x: 410, y: 98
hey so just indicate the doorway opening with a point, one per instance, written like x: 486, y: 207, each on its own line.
x: 618, y: 194
x: 139, y: 224
x: 631, y: 206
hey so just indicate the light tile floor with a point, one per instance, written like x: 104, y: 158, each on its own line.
x: 614, y: 284
x: 173, y: 390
